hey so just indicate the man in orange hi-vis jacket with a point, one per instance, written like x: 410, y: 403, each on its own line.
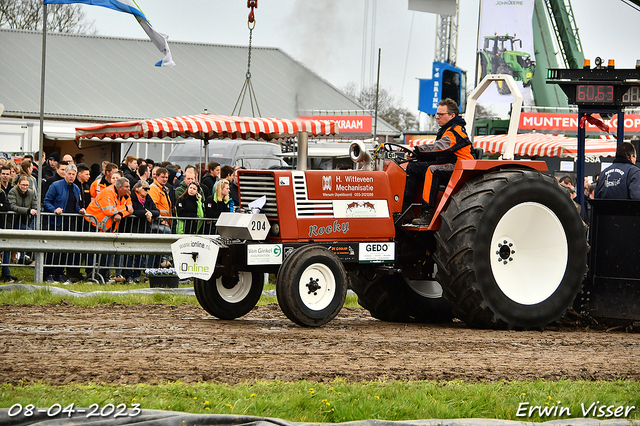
x: 100, y: 184
x: 159, y: 193
x: 110, y: 206
x: 437, y: 160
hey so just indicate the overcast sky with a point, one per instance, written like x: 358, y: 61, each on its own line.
x: 327, y: 35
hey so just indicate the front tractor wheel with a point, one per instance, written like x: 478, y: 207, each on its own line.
x: 229, y: 297
x: 311, y: 286
x: 511, y: 251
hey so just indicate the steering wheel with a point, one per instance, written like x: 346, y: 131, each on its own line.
x: 388, y: 148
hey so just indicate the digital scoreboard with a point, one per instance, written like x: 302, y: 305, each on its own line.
x: 631, y: 96
x: 598, y: 87
x: 595, y: 94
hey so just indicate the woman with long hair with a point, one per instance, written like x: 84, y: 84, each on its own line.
x: 26, y: 169
x: 24, y: 202
x: 219, y: 201
x: 190, y: 205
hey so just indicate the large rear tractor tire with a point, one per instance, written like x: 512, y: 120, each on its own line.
x: 311, y: 286
x: 229, y: 297
x: 392, y: 298
x: 511, y: 251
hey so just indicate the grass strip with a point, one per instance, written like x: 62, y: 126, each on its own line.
x: 44, y: 296
x: 340, y: 401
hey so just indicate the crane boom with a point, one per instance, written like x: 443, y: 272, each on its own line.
x: 564, y: 25
x: 447, y: 38
x: 565, y: 33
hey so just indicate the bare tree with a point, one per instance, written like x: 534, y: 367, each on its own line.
x: 27, y: 15
x: 484, y: 111
x: 389, y: 108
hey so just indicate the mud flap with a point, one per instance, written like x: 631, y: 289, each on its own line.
x: 195, y: 257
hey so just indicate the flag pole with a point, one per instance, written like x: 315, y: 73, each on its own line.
x: 38, y: 273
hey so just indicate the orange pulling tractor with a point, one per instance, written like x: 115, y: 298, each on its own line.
x: 506, y: 247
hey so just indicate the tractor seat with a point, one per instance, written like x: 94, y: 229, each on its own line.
x: 477, y: 153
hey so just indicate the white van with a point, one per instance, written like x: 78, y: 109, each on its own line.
x: 327, y: 155
x: 252, y: 155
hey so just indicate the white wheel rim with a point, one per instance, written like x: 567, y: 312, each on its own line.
x: 426, y: 288
x: 317, y: 287
x: 529, y: 253
x: 239, y: 291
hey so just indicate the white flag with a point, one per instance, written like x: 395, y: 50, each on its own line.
x: 127, y: 6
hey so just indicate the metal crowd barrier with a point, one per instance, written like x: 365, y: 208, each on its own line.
x: 68, y: 242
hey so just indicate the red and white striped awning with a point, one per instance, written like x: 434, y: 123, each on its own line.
x: 539, y: 145
x: 206, y: 126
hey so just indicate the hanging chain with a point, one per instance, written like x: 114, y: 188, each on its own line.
x: 247, y: 83
x: 250, y: 40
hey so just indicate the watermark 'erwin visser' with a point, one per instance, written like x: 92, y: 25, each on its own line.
x: 594, y: 409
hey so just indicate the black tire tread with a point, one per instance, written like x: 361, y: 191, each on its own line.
x: 389, y: 298
x: 454, y: 254
x: 208, y: 297
x: 287, y: 287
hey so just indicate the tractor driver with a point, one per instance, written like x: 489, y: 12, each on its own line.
x: 621, y: 180
x: 436, y: 161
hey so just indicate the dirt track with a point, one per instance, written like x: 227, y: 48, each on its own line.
x: 153, y: 343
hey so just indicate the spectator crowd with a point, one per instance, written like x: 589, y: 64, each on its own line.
x: 144, y: 197
x: 136, y: 196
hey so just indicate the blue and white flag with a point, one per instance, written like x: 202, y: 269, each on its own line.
x: 128, y: 6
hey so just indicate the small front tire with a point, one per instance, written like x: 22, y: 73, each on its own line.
x: 311, y: 286
x: 229, y: 297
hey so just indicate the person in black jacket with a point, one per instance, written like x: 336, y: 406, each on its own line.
x: 229, y: 173
x: 130, y: 169
x: 82, y: 181
x: 50, y: 166
x: 24, y: 202
x: 5, y: 179
x: 6, y: 256
x: 621, y: 180
x: 234, y: 191
x: 213, y: 175
x: 189, y: 205
x: 143, y: 206
x: 144, y: 213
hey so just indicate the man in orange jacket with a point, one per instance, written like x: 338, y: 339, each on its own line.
x: 159, y: 193
x: 110, y: 206
x: 437, y: 160
x: 100, y: 184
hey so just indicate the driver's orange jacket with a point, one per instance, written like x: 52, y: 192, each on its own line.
x: 452, y: 145
x: 444, y: 152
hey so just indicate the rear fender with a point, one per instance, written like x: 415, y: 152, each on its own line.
x: 466, y: 170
